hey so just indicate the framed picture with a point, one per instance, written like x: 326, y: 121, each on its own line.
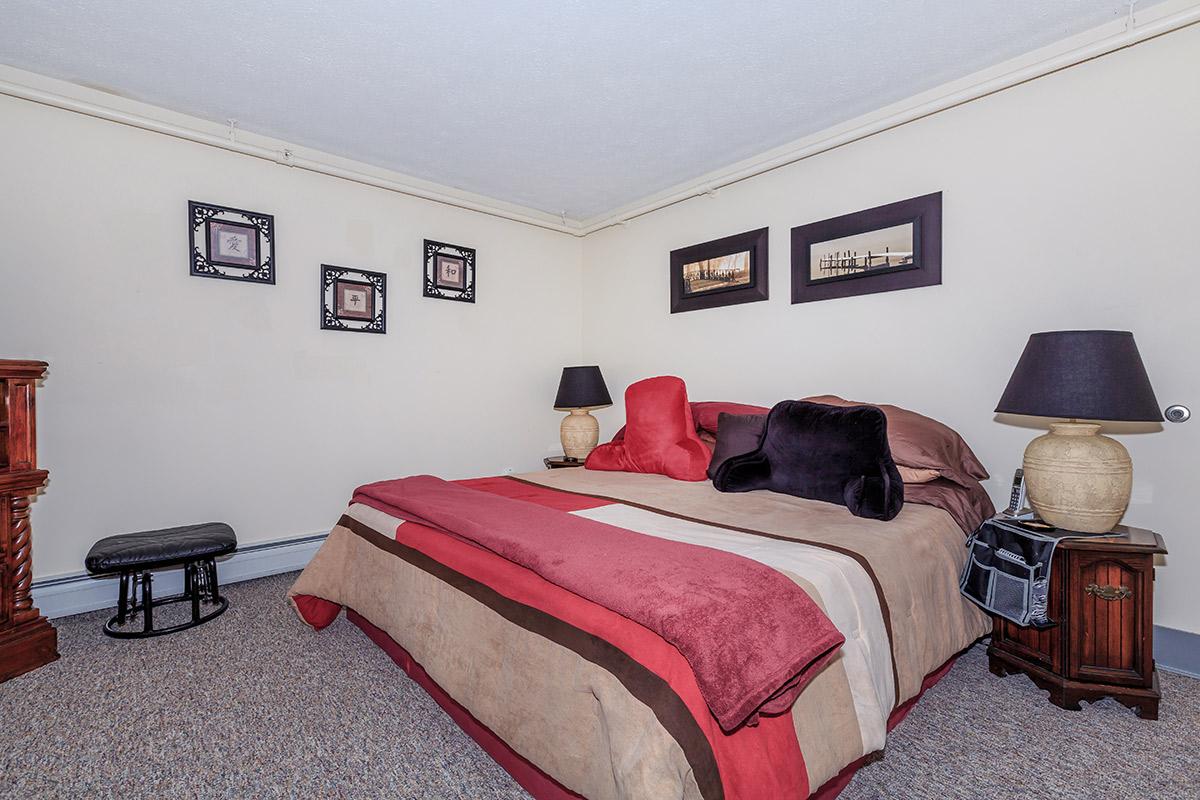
x: 449, y: 272
x: 353, y: 300
x: 897, y: 246
x: 722, y: 272
x: 231, y: 244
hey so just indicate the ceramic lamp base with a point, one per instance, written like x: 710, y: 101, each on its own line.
x: 1078, y: 479
x: 580, y: 433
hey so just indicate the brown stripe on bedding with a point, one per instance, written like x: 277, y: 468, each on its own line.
x: 650, y: 689
x: 858, y: 557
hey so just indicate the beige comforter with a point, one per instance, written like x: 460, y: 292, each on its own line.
x: 890, y: 587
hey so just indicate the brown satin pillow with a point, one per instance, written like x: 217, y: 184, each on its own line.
x: 922, y: 443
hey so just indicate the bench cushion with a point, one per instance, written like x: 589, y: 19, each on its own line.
x: 150, y: 549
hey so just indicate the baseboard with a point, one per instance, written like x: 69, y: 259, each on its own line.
x: 76, y: 593
x: 1177, y: 651
x: 63, y: 595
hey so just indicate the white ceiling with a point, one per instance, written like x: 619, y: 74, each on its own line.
x: 559, y: 105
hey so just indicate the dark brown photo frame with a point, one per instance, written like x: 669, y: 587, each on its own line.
x: 755, y: 289
x: 925, y: 269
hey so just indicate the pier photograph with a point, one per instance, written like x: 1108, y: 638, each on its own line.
x: 861, y: 253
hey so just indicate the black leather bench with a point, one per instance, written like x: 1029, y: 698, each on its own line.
x: 195, y: 546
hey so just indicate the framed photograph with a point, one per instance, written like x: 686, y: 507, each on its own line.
x: 722, y: 272
x: 353, y: 300
x: 231, y: 244
x: 449, y: 272
x: 897, y: 246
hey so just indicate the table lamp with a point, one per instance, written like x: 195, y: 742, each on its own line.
x: 579, y: 390
x: 1077, y: 479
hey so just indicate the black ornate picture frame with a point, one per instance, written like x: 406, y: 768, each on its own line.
x: 353, y: 300
x: 723, y: 272
x: 230, y: 243
x: 881, y: 249
x: 449, y: 272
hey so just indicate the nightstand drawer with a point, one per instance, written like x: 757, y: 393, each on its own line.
x: 1110, y: 601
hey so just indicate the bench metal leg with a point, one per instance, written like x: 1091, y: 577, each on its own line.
x: 193, y: 589
x: 147, y: 603
x: 200, y: 588
x: 123, y: 599
x: 211, y: 565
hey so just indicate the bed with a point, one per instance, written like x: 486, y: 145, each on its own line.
x: 576, y: 700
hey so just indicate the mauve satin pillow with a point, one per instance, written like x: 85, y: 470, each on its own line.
x: 922, y: 443
x: 736, y: 434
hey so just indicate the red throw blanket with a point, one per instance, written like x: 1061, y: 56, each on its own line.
x: 753, y: 638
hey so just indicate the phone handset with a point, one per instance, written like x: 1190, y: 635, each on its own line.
x: 1017, y: 499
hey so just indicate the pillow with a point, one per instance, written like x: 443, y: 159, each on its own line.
x: 822, y: 452
x: 736, y: 434
x: 660, y: 434
x: 708, y: 414
x: 923, y: 443
x: 910, y: 475
x: 705, y: 415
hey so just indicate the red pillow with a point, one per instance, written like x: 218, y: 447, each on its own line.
x: 660, y: 435
x: 708, y: 414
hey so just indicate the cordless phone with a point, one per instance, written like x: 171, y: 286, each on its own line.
x: 1016, y: 500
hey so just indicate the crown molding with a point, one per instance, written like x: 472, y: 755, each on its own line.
x: 1117, y: 35
x: 112, y: 107
x: 1123, y: 32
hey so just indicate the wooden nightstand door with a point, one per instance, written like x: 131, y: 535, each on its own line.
x: 1110, y: 599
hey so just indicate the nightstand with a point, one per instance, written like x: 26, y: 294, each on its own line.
x: 560, y: 462
x: 1102, y: 596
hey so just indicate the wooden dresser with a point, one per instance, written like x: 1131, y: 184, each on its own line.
x: 1102, y: 596
x: 27, y: 639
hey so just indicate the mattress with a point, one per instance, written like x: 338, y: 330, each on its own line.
x: 574, y: 699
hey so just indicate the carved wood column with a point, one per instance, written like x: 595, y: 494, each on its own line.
x: 21, y: 561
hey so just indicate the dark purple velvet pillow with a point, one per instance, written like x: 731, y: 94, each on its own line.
x: 831, y: 453
x: 736, y: 434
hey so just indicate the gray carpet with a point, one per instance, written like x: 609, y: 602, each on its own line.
x: 256, y: 705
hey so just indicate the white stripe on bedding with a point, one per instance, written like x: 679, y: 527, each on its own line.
x: 846, y: 590
x: 374, y: 519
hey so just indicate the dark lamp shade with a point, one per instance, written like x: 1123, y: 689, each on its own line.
x: 1096, y: 375
x: 581, y: 387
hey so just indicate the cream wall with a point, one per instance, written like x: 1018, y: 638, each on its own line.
x: 1072, y: 201
x: 172, y: 399
x: 1069, y: 201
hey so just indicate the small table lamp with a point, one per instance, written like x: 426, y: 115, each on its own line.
x: 1076, y: 478
x: 579, y: 390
